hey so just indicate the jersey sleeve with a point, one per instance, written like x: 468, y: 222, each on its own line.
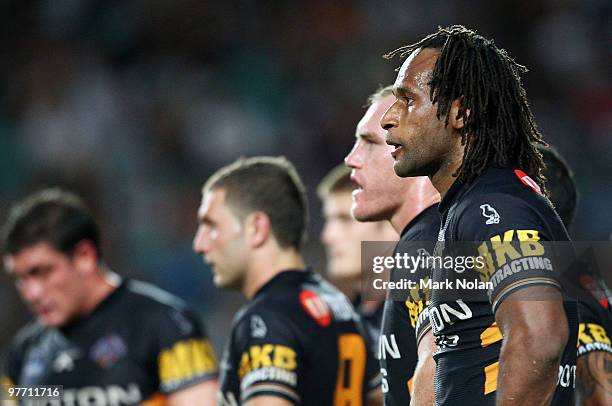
x: 185, y: 355
x: 512, y: 238
x: 270, y: 357
x: 595, y: 329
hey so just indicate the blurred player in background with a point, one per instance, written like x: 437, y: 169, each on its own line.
x: 298, y: 339
x: 594, y: 367
x: 106, y: 340
x: 410, y: 206
x: 462, y: 118
x: 342, y: 236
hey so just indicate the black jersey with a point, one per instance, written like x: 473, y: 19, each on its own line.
x: 371, y: 319
x: 595, y: 314
x: 299, y: 338
x: 402, y: 319
x: 510, y: 221
x: 140, y: 343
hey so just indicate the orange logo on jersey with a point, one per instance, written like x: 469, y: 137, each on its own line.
x: 316, y: 307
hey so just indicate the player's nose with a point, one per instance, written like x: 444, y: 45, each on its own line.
x: 200, y: 244
x: 31, y: 290
x: 389, y: 120
x: 353, y: 159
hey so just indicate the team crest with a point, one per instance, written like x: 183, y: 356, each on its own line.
x: 108, y: 350
x: 490, y: 214
x: 258, y: 327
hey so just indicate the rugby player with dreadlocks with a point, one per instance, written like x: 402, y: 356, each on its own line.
x: 462, y: 118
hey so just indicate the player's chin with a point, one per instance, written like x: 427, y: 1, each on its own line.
x: 404, y: 168
x: 360, y: 213
x: 52, y: 320
x: 218, y: 280
x: 365, y: 213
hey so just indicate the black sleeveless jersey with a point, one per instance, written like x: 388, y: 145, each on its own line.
x: 139, y: 344
x: 403, y: 320
x: 507, y: 221
x: 299, y: 338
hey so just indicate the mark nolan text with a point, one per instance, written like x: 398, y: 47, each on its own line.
x: 403, y: 284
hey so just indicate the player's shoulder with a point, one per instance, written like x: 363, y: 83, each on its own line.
x: 595, y: 304
x: 27, y: 335
x: 296, y: 298
x: 149, y: 297
x: 277, y: 301
x: 506, y: 186
x: 506, y: 198
x: 424, y: 227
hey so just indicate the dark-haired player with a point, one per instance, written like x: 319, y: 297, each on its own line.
x: 298, y: 339
x: 461, y: 117
x: 594, y: 367
x: 410, y: 206
x: 107, y: 341
x: 342, y: 236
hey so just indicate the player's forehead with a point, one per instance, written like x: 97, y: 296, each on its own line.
x: 212, y: 203
x: 370, y: 122
x: 415, y: 73
x: 31, y: 256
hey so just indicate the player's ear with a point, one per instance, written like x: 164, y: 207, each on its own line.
x: 258, y: 228
x: 85, y: 257
x: 457, y: 122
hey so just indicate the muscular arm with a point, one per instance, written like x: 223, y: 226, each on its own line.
x: 535, y: 335
x: 204, y: 393
x: 594, y: 379
x: 422, y: 380
x: 375, y: 398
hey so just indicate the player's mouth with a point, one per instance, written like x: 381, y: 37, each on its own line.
x: 357, y: 183
x: 42, y: 310
x: 397, y: 147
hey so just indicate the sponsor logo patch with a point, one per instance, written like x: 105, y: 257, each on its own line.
x: 316, y: 307
x: 527, y: 181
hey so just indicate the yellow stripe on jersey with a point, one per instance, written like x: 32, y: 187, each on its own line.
x: 409, y: 385
x: 491, y: 372
x: 490, y: 336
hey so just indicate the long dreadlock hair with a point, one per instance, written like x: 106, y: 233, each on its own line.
x: 499, y: 127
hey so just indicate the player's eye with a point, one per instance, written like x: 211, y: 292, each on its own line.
x: 40, y: 271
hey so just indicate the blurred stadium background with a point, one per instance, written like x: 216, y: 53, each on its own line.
x: 133, y: 103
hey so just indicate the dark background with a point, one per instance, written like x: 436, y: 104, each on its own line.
x: 134, y: 103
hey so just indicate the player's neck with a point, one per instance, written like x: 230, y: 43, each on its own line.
x: 444, y: 177
x: 416, y: 200
x: 102, y: 284
x: 266, y: 264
